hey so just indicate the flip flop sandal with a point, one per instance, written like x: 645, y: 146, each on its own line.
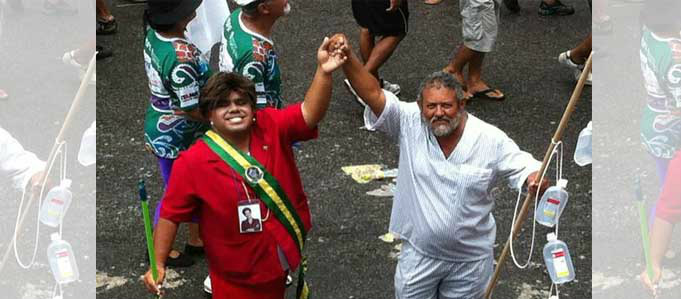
x: 103, y: 53
x: 107, y: 27
x: 193, y: 250
x: 485, y: 95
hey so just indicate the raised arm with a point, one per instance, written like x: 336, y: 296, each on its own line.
x: 330, y: 56
x: 362, y: 81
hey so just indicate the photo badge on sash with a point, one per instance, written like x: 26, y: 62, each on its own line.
x: 250, y: 219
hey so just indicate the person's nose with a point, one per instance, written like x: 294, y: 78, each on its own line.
x: 439, y: 111
x: 233, y: 107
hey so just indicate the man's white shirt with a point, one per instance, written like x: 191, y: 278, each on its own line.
x: 16, y: 163
x: 442, y: 205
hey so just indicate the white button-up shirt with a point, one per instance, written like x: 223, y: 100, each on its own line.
x: 16, y: 163
x: 442, y: 205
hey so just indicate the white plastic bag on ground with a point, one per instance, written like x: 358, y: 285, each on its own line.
x: 87, y: 155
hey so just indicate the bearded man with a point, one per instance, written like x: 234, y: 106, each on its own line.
x: 448, y: 161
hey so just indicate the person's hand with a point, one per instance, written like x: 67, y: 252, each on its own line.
x: 652, y: 285
x: 154, y: 286
x: 340, y: 42
x: 35, y: 184
x: 534, y: 186
x: 331, y: 54
x: 394, y: 4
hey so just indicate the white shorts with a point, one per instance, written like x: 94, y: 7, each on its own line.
x: 421, y: 277
x: 480, y: 24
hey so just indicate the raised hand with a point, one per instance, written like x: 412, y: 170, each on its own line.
x: 331, y: 54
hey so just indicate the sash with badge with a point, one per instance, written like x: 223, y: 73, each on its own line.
x: 269, y: 191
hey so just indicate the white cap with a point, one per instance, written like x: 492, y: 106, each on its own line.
x: 562, y: 183
x: 551, y: 237
x: 55, y: 237
x: 244, y: 2
x: 66, y: 183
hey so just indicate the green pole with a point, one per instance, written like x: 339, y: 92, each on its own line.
x: 643, y: 217
x: 147, y: 229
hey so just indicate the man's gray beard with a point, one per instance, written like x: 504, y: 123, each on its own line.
x: 287, y: 9
x: 443, y: 130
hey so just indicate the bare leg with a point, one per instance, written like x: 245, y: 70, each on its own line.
x: 381, y: 52
x: 458, y: 63
x: 366, y: 44
x: 103, y: 13
x: 660, y: 236
x: 194, y: 238
x: 475, y: 83
x: 580, y: 54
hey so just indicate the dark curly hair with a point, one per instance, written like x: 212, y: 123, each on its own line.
x: 218, y: 88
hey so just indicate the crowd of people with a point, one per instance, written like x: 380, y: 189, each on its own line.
x: 225, y: 144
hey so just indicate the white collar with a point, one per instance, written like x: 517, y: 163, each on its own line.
x: 245, y: 29
x: 165, y: 39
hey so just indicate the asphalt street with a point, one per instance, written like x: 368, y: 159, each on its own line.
x: 346, y: 257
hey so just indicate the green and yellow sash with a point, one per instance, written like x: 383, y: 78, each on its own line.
x: 269, y: 191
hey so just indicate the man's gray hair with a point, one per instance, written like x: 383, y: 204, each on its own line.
x: 440, y: 79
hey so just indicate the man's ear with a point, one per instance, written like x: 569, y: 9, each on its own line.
x: 461, y: 102
x: 263, y: 8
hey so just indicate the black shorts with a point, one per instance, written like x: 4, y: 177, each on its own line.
x: 371, y: 14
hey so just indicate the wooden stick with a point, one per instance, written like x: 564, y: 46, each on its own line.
x: 529, y: 199
x: 53, y: 152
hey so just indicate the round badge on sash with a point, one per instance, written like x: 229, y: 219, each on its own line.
x: 254, y: 174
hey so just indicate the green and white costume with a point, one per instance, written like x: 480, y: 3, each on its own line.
x: 176, y: 73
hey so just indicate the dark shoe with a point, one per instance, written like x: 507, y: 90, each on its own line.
x: 181, y: 261
x: 60, y: 8
x: 512, y: 5
x: 488, y: 94
x: 103, y: 53
x: 557, y: 9
x: 193, y: 250
x: 107, y: 27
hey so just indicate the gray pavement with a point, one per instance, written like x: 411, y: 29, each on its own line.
x: 346, y: 258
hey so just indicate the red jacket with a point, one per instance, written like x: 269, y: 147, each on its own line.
x: 203, y: 183
x: 669, y: 204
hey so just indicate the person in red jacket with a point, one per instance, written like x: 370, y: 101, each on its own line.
x: 205, y: 182
x: 667, y: 215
